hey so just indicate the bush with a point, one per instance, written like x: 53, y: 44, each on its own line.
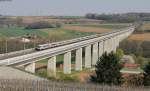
x: 66, y: 77
x: 42, y: 73
x: 119, y: 53
x: 147, y: 74
x: 107, y: 70
x: 134, y: 80
x: 40, y: 25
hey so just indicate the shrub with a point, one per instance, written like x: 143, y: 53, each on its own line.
x: 107, y: 69
x: 119, y: 53
x: 147, y: 75
x: 134, y: 80
x: 42, y: 24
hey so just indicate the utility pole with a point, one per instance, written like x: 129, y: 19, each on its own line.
x: 34, y: 40
x: 24, y: 47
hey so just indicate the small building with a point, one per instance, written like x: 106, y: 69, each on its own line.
x: 131, y: 69
x: 25, y: 40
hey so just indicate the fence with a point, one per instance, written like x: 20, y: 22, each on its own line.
x: 44, y: 85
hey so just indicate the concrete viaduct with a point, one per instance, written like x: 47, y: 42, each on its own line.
x: 94, y: 48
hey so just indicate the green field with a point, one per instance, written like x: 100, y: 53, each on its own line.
x: 43, y: 33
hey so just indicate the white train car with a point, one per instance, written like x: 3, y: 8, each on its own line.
x: 56, y: 44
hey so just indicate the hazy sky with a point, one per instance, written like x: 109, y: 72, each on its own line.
x: 72, y: 7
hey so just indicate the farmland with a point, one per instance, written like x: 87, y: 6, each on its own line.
x: 97, y: 28
x: 51, y: 19
x: 142, y: 33
x: 140, y: 37
x: 88, y: 29
x: 145, y: 26
x: 43, y: 33
x: 105, y: 25
x: 13, y: 36
x: 15, y: 29
x: 71, y: 28
x: 138, y: 43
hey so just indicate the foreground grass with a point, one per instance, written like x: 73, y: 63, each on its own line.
x: 75, y: 76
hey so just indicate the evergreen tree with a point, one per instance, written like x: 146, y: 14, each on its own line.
x: 108, y: 69
x: 147, y: 75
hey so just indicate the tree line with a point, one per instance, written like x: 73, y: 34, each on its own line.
x: 8, y: 21
x: 125, y: 17
x: 42, y: 24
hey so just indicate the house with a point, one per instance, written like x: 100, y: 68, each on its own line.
x: 131, y: 69
x: 25, y: 40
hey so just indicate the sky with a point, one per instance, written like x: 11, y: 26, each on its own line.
x: 71, y: 7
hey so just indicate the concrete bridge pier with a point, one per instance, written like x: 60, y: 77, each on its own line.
x: 51, y: 67
x: 110, y: 45
x: 117, y: 41
x: 101, y: 48
x: 114, y: 44
x: 67, y: 63
x: 78, y: 62
x: 88, y: 56
x: 95, y: 53
x: 30, y: 67
x: 106, y: 46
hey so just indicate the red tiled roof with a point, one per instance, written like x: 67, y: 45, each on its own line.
x: 131, y: 65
